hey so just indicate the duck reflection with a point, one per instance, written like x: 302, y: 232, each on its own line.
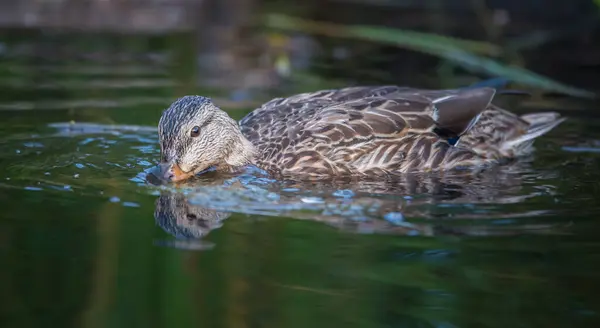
x: 178, y: 217
x: 412, y: 205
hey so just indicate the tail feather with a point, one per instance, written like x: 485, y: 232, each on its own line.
x: 539, y: 124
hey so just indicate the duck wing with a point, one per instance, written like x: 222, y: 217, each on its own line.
x: 386, y: 112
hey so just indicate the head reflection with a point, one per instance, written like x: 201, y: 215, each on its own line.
x: 179, y: 218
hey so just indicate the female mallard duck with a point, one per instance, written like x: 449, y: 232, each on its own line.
x: 356, y: 131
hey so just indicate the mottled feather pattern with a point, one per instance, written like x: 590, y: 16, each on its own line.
x: 367, y: 130
x: 356, y: 131
x: 213, y: 145
x: 169, y: 126
x: 494, y: 127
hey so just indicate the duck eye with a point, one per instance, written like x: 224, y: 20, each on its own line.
x: 195, y: 132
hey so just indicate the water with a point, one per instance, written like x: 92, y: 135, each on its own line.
x: 87, y: 241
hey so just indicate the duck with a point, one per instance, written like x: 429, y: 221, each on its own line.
x: 356, y: 131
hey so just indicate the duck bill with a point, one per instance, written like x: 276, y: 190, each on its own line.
x: 172, y: 172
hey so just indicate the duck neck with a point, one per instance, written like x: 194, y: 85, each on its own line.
x: 242, y: 152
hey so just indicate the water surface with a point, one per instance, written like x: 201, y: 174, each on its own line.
x: 86, y: 241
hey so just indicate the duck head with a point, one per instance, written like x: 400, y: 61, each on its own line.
x: 195, y: 135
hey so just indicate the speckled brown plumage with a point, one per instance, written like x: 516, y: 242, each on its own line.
x: 384, y: 130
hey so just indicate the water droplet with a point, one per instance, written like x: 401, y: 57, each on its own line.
x: 312, y: 200
x: 86, y: 141
x: 76, y: 176
x: 33, y: 145
x: 345, y: 193
x: 18, y: 151
x: 394, y: 217
x: 114, y: 199
x: 131, y: 204
x: 145, y: 149
x: 79, y: 165
x: 33, y: 188
x: 273, y: 196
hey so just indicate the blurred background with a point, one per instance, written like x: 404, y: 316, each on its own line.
x: 80, y: 243
x: 250, y: 50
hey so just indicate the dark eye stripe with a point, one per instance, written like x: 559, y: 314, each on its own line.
x: 195, y: 132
